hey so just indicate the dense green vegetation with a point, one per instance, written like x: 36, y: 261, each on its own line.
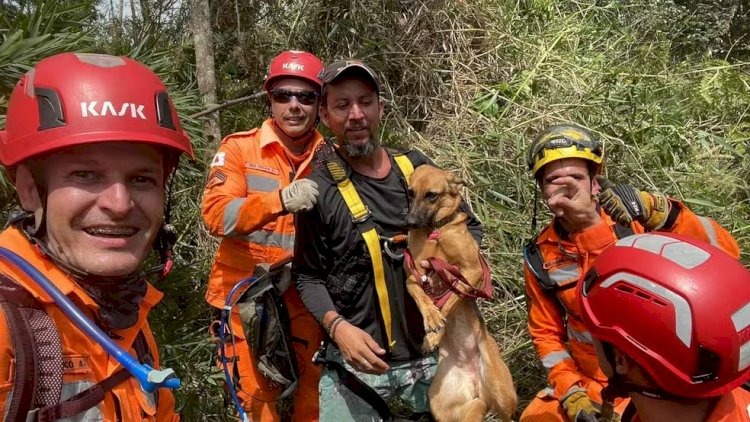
x: 664, y: 83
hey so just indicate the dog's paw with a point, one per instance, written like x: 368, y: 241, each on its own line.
x: 434, y: 327
x: 434, y: 321
x: 432, y: 341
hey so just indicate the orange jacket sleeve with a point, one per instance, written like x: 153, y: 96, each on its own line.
x: 704, y: 228
x: 228, y: 207
x: 548, y: 334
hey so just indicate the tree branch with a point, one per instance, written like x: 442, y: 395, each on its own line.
x: 228, y: 103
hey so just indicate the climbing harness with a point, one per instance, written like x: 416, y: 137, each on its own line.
x: 361, y: 218
x: 266, y: 327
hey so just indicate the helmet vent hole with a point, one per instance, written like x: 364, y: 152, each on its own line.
x: 625, y: 289
x: 50, y: 108
x: 643, y: 296
x: 164, y: 111
x: 659, y: 302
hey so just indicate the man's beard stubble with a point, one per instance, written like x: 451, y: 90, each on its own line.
x: 361, y: 151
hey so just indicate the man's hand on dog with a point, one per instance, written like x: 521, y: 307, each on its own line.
x: 569, y: 199
x: 360, y: 350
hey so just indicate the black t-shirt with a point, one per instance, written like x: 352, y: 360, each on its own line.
x: 332, y: 265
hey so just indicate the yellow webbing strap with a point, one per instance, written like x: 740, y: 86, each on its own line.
x: 359, y: 212
x: 372, y: 240
x: 407, y: 168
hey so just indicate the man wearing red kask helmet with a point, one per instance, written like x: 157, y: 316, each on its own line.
x: 255, y: 186
x: 670, y: 317
x: 90, y: 143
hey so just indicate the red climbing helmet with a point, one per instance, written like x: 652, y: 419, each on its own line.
x: 678, y: 306
x: 77, y: 98
x: 297, y: 64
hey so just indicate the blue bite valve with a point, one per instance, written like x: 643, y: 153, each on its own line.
x: 149, y: 378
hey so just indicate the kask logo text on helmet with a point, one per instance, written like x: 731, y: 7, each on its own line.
x: 294, y: 66
x: 106, y: 108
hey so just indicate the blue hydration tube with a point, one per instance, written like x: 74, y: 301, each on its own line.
x: 149, y: 378
x: 226, y: 315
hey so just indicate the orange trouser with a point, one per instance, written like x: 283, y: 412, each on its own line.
x: 257, y: 396
x: 545, y: 408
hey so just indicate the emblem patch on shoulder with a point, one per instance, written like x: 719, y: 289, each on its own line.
x: 218, y: 160
x: 218, y: 178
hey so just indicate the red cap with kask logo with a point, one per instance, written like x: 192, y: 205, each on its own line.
x: 74, y: 98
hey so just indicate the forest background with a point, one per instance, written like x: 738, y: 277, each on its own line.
x: 665, y: 84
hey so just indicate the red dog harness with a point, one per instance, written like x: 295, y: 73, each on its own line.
x: 451, y: 277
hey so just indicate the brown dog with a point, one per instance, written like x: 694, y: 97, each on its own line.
x: 471, y: 377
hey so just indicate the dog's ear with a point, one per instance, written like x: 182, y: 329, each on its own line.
x: 455, y: 182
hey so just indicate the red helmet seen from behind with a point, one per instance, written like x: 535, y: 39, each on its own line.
x: 75, y: 98
x: 295, y: 64
x: 678, y: 306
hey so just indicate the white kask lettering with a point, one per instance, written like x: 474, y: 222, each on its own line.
x: 94, y: 109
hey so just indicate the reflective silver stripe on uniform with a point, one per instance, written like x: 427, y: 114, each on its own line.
x: 564, y: 274
x: 547, y: 392
x: 741, y: 320
x: 683, y: 315
x: 709, y: 228
x: 8, y: 400
x: 552, y: 359
x: 261, y: 183
x: 150, y: 399
x: 70, y: 389
x: 580, y: 336
x: 232, y: 214
x: 272, y: 239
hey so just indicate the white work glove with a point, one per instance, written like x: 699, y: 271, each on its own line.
x: 300, y: 195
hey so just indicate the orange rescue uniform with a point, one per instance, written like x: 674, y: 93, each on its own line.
x: 733, y: 406
x: 242, y: 204
x: 561, y: 340
x: 90, y: 363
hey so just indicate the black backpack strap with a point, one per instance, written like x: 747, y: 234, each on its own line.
x: 82, y: 401
x: 144, y: 355
x: 49, y: 367
x: 534, y: 259
x: 623, y: 231
x: 12, y: 297
x: 94, y: 395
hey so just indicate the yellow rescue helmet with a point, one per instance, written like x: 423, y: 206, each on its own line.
x: 563, y: 141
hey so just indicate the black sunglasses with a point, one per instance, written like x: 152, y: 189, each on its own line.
x: 284, y: 96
